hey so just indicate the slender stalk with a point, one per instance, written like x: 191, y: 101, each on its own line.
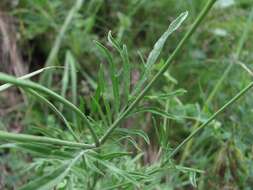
x: 200, y: 17
x: 40, y: 88
x: 29, y: 75
x: 234, y: 99
x: 218, y: 85
x: 59, y: 114
x: 244, y: 66
x: 6, y: 136
x: 236, y: 57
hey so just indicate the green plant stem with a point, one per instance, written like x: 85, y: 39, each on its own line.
x: 200, y: 17
x: 236, y: 57
x: 221, y: 80
x: 7, y: 136
x: 29, y: 75
x: 40, y: 88
x: 59, y: 114
x: 235, y: 98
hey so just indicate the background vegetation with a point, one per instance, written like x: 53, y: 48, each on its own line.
x: 94, y: 53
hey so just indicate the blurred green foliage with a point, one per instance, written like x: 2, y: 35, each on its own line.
x: 178, y: 102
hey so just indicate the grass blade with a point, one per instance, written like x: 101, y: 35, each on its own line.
x: 42, y: 150
x: 27, y: 76
x: 155, y: 111
x: 6, y: 136
x: 40, y: 88
x: 46, y: 78
x: 72, y: 64
x: 65, y: 81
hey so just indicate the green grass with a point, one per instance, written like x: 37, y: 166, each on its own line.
x: 111, y: 112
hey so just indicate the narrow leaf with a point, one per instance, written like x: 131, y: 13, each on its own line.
x: 65, y: 80
x: 154, y: 54
x: 27, y: 76
x: 113, y: 41
x: 42, y: 150
x: 192, y: 177
x: 49, y: 181
x: 113, y: 75
x: 165, y: 96
x: 58, y: 113
x: 72, y: 63
x: 126, y: 72
x: 136, y: 132
x: 155, y: 111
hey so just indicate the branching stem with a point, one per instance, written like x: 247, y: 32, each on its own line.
x: 200, y: 17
